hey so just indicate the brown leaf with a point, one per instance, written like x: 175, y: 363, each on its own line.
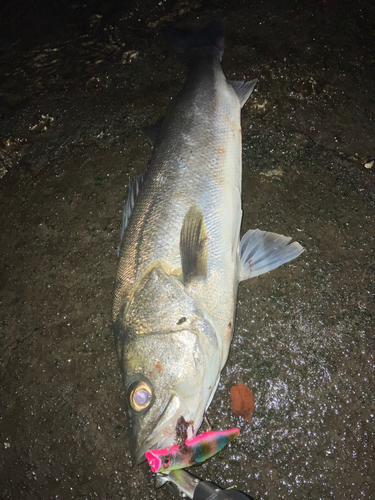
x: 242, y: 400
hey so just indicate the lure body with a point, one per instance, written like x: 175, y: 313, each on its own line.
x: 193, y: 451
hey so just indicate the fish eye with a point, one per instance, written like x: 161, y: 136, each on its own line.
x: 140, y: 396
x: 167, y: 462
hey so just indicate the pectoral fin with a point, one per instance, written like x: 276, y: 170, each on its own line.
x: 262, y: 251
x: 193, y: 246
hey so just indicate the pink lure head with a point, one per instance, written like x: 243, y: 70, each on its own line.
x: 157, y: 459
x: 154, y: 461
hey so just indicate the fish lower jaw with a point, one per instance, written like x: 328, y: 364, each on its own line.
x: 157, y: 441
x: 140, y: 457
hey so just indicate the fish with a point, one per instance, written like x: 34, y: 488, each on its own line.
x: 193, y: 451
x: 181, y: 258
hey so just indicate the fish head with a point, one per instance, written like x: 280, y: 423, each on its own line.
x: 164, y: 343
x: 165, y: 379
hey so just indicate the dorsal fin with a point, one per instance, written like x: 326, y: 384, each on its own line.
x: 133, y: 190
x: 152, y: 131
x: 243, y: 90
x: 193, y: 245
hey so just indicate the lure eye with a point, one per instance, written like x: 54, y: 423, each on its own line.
x: 140, y: 396
x: 166, y: 463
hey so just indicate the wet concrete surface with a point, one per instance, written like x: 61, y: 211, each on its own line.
x: 72, y: 102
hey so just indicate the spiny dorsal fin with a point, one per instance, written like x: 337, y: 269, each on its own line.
x: 133, y: 191
x: 243, y: 90
x: 152, y: 131
x: 193, y: 245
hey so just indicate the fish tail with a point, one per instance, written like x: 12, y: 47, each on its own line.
x: 190, y: 44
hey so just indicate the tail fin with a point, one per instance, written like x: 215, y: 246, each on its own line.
x: 187, y: 42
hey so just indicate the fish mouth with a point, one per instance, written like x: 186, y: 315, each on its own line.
x: 163, y: 433
x: 140, y: 454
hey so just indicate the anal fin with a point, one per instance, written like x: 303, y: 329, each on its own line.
x: 243, y: 90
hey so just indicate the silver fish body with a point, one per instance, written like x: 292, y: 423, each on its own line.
x: 181, y: 260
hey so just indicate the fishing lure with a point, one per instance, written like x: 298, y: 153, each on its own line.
x: 195, y: 450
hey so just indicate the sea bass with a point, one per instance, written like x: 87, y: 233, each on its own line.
x: 181, y: 259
